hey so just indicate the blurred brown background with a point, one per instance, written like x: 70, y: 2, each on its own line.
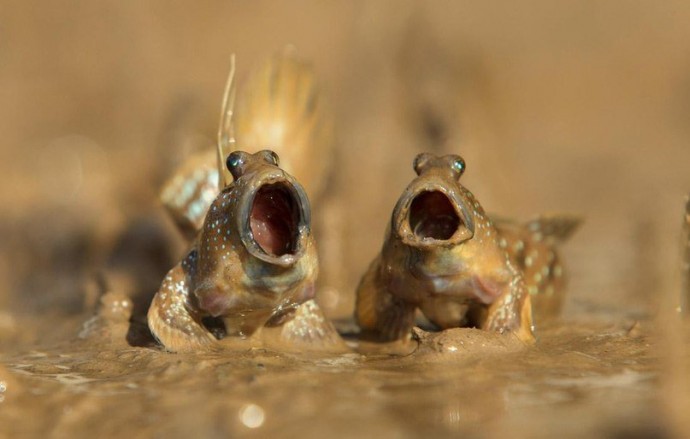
x: 570, y: 106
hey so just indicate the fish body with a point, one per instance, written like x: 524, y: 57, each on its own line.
x: 445, y: 256
x: 253, y: 263
x: 252, y: 260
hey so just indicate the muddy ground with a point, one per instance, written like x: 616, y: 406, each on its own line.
x: 556, y: 107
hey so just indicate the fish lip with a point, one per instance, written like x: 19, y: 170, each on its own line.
x: 400, y: 217
x: 259, y: 180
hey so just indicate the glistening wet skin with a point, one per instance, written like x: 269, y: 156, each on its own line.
x: 274, y: 219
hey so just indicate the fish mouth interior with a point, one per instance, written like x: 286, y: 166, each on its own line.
x: 274, y: 219
x: 432, y: 215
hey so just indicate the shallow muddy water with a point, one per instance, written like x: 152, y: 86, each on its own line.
x: 580, y: 380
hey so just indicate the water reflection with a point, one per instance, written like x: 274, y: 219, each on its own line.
x: 252, y: 415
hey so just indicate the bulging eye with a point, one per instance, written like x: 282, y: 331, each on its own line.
x: 235, y: 163
x: 420, y: 162
x: 272, y: 157
x: 458, y: 165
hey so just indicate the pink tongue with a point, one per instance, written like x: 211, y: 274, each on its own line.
x: 270, y: 222
x: 269, y: 241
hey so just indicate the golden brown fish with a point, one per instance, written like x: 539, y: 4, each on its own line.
x: 254, y: 263
x: 444, y: 256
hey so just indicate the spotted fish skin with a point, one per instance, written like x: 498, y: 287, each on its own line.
x: 230, y: 273
x: 533, y: 248
x: 442, y: 254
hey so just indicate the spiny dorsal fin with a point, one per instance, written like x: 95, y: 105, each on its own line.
x: 281, y: 108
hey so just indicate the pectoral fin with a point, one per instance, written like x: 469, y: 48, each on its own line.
x: 379, y: 313
x: 172, y: 321
x: 307, y: 330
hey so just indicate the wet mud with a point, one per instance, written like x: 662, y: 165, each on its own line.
x: 581, y: 379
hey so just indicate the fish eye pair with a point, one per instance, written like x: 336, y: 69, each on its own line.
x: 254, y: 264
x: 238, y: 160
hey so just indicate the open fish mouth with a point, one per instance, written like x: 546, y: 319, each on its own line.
x: 274, y: 219
x: 432, y: 215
